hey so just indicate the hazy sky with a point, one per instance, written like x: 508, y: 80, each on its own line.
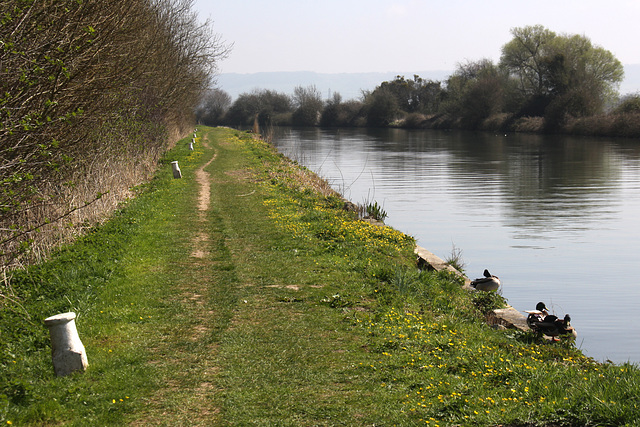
x: 345, y: 36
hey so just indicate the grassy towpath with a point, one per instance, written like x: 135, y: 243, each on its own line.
x: 244, y: 294
x: 258, y: 346
x: 281, y: 355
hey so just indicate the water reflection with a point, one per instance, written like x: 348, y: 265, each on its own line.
x: 552, y: 216
x: 547, y: 183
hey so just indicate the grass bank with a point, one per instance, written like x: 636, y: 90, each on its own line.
x: 261, y: 301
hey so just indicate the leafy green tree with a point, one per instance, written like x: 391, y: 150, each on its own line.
x: 212, y: 107
x: 381, y: 107
x: 337, y: 113
x: 331, y: 111
x: 244, y: 109
x: 415, y: 95
x: 524, y: 57
x: 273, y: 107
x: 562, y: 75
x: 582, y: 78
x: 308, y: 103
x: 262, y: 104
x: 475, y: 91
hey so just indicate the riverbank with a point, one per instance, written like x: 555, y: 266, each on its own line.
x: 619, y: 125
x: 269, y: 303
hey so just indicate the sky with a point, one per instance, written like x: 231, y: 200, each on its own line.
x: 357, y: 36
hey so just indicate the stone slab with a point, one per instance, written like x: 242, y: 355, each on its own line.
x: 507, y: 317
x: 431, y: 261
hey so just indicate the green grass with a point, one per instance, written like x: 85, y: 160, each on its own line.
x: 294, y: 313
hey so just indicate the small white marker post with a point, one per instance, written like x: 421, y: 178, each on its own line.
x: 193, y: 141
x: 67, y: 351
x: 176, y: 170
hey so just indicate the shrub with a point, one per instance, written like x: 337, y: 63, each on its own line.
x: 529, y: 124
x: 629, y: 104
x: 381, y: 108
x: 496, y: 122
x: 309, y: 106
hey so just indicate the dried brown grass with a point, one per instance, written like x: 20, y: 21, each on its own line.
x: 529, y: 124
x: 496, y: 122
x: 91, y: 192
x: 96, y: 193
x: 619, y: 125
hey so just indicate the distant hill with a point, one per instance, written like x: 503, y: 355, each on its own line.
x: 351, y: 85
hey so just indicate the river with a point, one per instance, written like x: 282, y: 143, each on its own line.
x: 556, y: 218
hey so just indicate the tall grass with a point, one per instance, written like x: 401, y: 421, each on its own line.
x: 91, y: 193
x: 455, y: 259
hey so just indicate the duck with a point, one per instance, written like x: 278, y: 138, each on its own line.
x: 537, y: 315
x: 553, y: 327
x: 487, y: 283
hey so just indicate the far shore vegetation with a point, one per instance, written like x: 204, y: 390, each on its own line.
x: 544, y: 83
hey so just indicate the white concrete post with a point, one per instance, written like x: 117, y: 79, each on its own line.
x: 176, y: 170
x: 194, y: 135
x: 67, y: 350
x: 193, y: 141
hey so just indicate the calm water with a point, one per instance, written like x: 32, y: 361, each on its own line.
x: 556, y: 218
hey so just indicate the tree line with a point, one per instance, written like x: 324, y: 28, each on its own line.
x: 91, y: 92
x: 543, y: 82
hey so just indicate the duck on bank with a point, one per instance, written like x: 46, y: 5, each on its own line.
x: 487, y: 283
x: 543, y: 323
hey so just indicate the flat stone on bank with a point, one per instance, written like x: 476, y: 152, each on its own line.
x: 507, y: 317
